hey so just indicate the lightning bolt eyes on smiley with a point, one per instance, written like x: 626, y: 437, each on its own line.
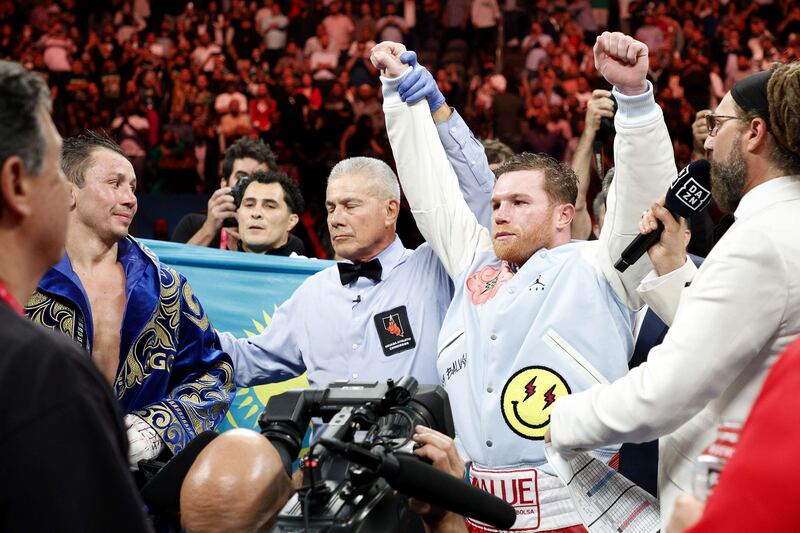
x: 543, y: 386
x: 530, y: 388
x: 549, y: 397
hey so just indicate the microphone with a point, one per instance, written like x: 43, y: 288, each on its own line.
x: 162, y: 493
x: 687, y: 195
x: 597, y: 149
x: 416, y: 478
x: 412, y: 476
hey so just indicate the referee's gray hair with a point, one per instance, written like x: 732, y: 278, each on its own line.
x: 374, y: 169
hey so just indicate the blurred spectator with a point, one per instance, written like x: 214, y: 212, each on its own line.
x: 264, y: 11
x: 541, y: 139
x: 534, y: 46
x: 456, y: 16
x: 484, y: 15
x: 57, y: 51
x: 312, y: 93
x: 244, y: 39
x: 292, y: 59
x: 324, y: 60
x: 262, y: 111
x: 336, y: 110
x: 111, y: 82
x: 273, y: 28
x: 204, y: 53
x: 650, y: 34
x: 359, y: 138
x: 358, y: 65
x: 583, y: 14
x: 339, y: 26
x: 131, y: 128
x: 391, y: 26
x: 508, y: 110
x: 293, y: 110
x: 164, y: 38
x: 314, y: 43
x: 233, y: 124
x: 223, y: 101
x: 365, y: 24
x: 367, y: 104
x: 739, y: 66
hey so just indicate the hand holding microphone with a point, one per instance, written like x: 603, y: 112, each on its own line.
x: 688, y: 194
x: 669, y: 253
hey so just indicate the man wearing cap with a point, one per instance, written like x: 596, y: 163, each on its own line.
x: 736, y: 313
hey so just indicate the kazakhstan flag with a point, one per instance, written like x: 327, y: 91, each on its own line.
x: 240, y: 292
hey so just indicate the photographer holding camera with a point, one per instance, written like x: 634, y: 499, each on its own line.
x: 218, y: 228
x: 600, y: 106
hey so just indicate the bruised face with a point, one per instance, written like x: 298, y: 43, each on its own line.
x: 524, y: 219
x: 361, y: 220
x: 106, y: 203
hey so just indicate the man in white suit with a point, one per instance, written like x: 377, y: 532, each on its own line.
x: 733, y: 316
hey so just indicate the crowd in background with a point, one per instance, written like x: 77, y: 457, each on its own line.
x: 177, y: 82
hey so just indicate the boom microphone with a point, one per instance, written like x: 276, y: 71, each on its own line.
x: 416, y: 478
x: 688, y: 195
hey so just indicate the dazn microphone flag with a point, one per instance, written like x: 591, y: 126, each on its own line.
x: 687, y: 195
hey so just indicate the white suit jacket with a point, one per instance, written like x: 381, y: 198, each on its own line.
x: 739, y: 312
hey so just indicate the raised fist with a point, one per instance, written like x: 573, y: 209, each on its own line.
x: 386, y: 57
x: 623, y: 62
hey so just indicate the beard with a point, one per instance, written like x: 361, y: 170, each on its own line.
x: 525, y: 243
x: 728, y: 177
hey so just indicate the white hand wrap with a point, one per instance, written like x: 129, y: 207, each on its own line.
x: 143, y: 441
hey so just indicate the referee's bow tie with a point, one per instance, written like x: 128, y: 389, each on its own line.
x: 349, y: 272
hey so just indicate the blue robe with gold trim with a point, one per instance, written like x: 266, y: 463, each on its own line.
x: 172, y: 372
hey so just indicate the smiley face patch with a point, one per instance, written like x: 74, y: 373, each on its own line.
x: 527, y: 399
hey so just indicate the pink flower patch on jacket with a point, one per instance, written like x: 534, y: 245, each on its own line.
x: 485, y: 283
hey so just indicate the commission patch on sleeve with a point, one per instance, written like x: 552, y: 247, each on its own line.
x: 394, y: 331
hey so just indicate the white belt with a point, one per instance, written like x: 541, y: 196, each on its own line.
x: 540, y: 499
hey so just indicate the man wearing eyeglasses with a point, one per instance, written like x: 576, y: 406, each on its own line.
x: 736, y: 313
